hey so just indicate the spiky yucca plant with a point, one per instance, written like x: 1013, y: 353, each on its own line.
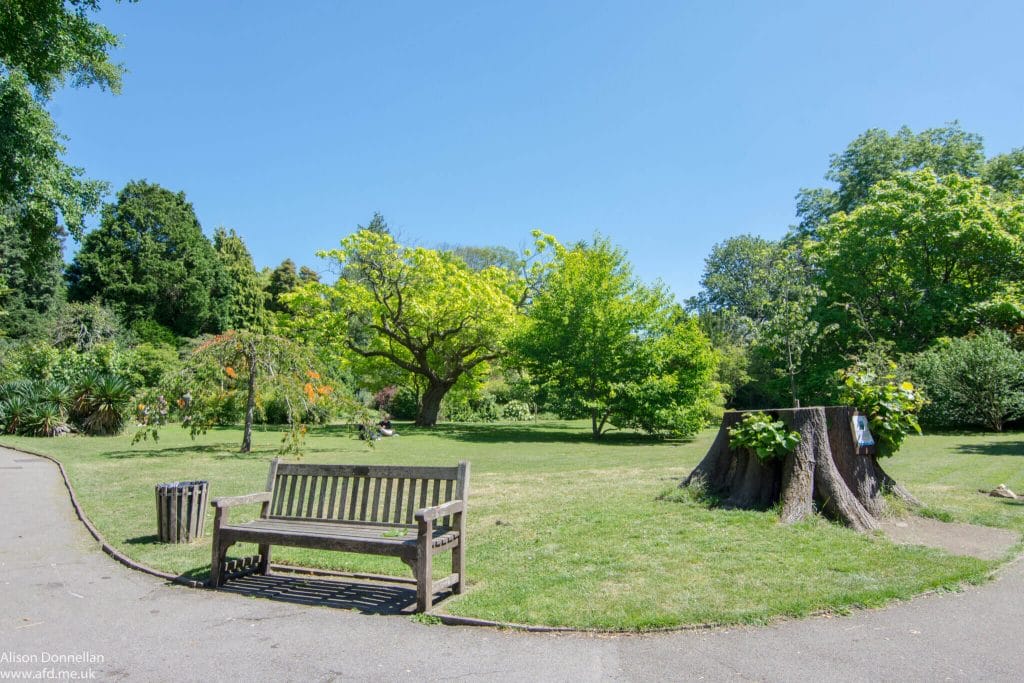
x: 106, y: 405
x: 15, y: 413
x: 47, y: 419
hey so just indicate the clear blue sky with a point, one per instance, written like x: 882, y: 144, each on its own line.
x: 667, y: 126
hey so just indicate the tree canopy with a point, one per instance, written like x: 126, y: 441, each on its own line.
x: 245, y: 308
x: 921, y: 252
x: 150, y: 259
x: 422, y: 310
x: 602, y: 345
x: 877, y: 155
x: 50, y: 41
x: 43, y: 44
x: 42, y: 199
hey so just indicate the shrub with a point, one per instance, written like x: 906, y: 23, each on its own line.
x: 273, y: 411
x: 385, y: 398
x: 151, y: 363
x: 461, y: 407
x: 517, y: 411
x: 406, y: 404
x: 81, y: 326
x: 975, y: 381
x: 891, y: 406
x: 151, y: 332
x: 768, y: 438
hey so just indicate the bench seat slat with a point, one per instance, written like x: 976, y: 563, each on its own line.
x: 386, y: 510
x: 291, y: 495
x: 333, y: 536
x: 344, y: 498
x: 376, y: 501
x: 334, y: 493
x: 410, y: 502
x: 353, y: 504
x: 397, y: 516
x: 302, y: 494
x: 365, y: 499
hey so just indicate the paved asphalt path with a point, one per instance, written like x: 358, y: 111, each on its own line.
x: 60, y: 595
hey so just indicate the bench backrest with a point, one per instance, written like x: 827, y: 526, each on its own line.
x: 382, y: 494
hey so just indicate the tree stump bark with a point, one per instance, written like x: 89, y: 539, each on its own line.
x: 825, y: 468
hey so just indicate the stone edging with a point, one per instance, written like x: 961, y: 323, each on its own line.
x: 104, y: 544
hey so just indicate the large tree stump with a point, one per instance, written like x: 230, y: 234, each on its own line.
x: 825, y: 467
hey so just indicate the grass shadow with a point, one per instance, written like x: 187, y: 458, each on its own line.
x: 152, y: 539
x: 164, y: 452
x: 489, y: 433
x: 997, y: 448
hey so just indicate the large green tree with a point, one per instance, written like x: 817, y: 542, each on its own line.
x: 50, y: 41
x: 149, y: 259
x: 917, y: 258
x: 603, y: 345
x: 33, y: 285
x: 756, y: 303
x: 278, y: 282
x: 245, y: 297
x: 43, y: 44
x: 424, y: 311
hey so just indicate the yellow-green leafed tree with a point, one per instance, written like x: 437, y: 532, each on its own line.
x: 423, y: 310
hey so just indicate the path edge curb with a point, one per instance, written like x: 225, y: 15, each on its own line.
x: 95, y: 533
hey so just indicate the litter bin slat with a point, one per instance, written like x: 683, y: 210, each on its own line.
x: 181, y: 510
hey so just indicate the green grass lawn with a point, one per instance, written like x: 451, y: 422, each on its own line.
x: 583, y: 539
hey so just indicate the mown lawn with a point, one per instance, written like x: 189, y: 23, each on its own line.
x: 563, y: 531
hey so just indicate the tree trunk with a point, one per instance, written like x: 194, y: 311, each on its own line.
x: 798, y: 469
x: 712, y: 472
x: 250, y: 406
x: 430, y: 406
x: 857, y: 469
x: 826, y: 466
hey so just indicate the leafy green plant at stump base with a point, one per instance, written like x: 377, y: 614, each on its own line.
x: 891, y: 407
x: 768, y: 438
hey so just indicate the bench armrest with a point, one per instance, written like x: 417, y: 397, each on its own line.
x: 449, y: 508
x: 232, y: 501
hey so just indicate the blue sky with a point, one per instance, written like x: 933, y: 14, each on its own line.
x: 667, y: 126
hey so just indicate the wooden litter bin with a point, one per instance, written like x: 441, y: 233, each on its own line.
x: 181, y: 510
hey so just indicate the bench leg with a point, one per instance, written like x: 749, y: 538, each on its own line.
x: 220, y: 554
x: 424, y: 578
x: 264, y: 567
x: 459, y: 566
x: 459, y: 553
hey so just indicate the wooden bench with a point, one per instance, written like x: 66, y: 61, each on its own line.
x: 411, y: 513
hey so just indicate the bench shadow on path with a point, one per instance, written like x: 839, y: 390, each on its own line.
x: 363, y: 596
x: 369, y: 597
